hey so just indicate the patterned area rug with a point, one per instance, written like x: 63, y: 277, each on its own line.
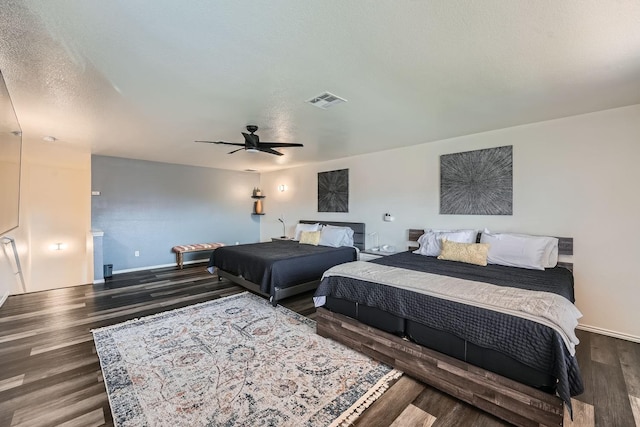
x: 235, y: 361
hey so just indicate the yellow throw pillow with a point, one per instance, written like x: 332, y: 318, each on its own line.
x: 471, y: 253
x: 310, y: 238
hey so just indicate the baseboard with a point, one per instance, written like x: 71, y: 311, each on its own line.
x: 609, y: 333
x: 97, y: 282
x: 152, y: 267
x: 148, y: 267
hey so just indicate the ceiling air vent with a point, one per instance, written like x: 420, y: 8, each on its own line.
x: 326, y: 100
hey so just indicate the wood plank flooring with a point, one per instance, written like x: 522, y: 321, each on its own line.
x: 50, y: 373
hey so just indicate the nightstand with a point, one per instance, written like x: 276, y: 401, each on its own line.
x: 368, y: 255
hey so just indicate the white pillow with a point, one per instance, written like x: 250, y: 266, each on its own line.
x: 520, y: 250
x: 305, y: 227
x: 431, y: 241
x: 552, y: 251
x: 332, y: 236
x: 348, y: 234
x: 550, y: 257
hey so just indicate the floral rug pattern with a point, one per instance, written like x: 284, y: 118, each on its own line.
x: 235, y: 361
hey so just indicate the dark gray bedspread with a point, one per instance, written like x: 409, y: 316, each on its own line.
x: 557, y: 280
x: 528, y: 342
x: 280, y: 263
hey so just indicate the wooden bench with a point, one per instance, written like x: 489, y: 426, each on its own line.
x: 180, y: 250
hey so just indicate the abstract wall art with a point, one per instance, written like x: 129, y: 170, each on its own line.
x: 477, y: 182
x: 333, y: 191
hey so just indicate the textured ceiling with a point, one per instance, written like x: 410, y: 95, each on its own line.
x: 144, y: 78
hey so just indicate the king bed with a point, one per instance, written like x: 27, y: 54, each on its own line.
x: 498, y: 337
x: 283, y: 268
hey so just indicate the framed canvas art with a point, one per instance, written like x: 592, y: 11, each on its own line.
x: 477, y: 182
x: 333, y: 191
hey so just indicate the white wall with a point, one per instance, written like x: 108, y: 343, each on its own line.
x: 8, y: 278
x: 55, y: 207
x: 573, y: 177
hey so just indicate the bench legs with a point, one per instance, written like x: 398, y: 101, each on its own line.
x: 180, y: 250
x: 180, y: 257
x: 179, y: 260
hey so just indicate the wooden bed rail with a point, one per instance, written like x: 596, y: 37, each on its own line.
x: 514, y: 402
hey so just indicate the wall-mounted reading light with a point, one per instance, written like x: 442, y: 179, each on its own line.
x: 284, y: 227
x: 282, y: 187
x: 57, y: 246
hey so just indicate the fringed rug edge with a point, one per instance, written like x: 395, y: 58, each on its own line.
x: 350, y: 415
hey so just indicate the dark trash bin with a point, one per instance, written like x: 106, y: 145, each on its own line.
x: 108, y: 271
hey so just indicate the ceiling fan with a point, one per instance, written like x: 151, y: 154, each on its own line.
x: 252, y: 143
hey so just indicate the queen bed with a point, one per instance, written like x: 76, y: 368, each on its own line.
x: 498, y: 337
x: 283, y: 268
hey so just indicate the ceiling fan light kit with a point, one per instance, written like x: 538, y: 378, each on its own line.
x: 252, y: 143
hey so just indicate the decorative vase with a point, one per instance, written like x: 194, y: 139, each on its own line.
x: 257, y: 206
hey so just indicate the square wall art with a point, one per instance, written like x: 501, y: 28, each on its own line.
x: 477, y: 182
x: 333, y: 191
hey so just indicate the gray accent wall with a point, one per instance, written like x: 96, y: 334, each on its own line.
x: 150, y: 207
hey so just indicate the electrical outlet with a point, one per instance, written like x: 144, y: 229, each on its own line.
x: 136, y: 253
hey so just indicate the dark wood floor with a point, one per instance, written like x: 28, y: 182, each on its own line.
x: 50, y: 373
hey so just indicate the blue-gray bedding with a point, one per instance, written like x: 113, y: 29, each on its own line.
x: 281, y: 263
x: 528, y: 342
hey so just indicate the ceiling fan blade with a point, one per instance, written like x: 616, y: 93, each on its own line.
x: 225, y: 143
x: 252, y: 143
x: 269, y: 150
x: 279, y: 144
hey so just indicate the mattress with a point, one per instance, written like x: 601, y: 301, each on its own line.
x: 477, y: 335
x: 280, y: 263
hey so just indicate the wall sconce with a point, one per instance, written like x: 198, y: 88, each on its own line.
x: 57, y: 246
x: 282, y: 188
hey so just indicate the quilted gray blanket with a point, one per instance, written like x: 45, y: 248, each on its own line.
x: 531, y: 343
x: 279, y: 263
x: 546, y: 308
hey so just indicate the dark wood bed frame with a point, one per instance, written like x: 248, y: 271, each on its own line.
x: 280, y: 293
x: 510, y: 400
